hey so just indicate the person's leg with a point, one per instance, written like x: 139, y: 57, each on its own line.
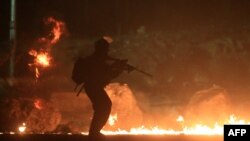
x: 102, y: 108
x: 100, y: 116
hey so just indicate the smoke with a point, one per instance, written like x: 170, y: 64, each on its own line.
x: 198, y: 74
x: 129, y: 114
x: 45, y: 119
x: 23, y: 110
x: 77, y: 111
x: 64, y: 112
x: 208, y: 106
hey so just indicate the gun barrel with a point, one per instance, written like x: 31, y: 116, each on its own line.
x: 130, y: 66
x: 141, y: 71
x: 145, y: 73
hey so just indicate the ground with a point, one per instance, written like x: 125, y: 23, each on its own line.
x: 65, y: 137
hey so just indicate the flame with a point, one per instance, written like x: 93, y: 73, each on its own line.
x: 112, y: 119
x: 235, y: 120
x: 197, y: 129
x: 22, y: 128
x: 57, y: 30
x: 180, y: 119
x: 37, y: 73
x: 42, y: 57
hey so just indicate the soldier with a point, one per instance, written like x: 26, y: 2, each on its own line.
x: 95, y: 72
x: 99, y: 73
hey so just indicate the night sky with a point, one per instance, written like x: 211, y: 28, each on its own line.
x: 197, y: 51
x: 95, y: 17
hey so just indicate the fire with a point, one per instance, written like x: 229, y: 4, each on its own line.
x: 112, y: 119
x: 42, y: 57
x: 37, y: 73
x: 197, y: 129
x: 57, y: 30
x: 234, y: 120
x: 22, y: 128
x: 180, y: 119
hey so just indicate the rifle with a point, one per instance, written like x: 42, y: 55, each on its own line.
x: 122, y: 63
x: 79, y: 91
x: 129, y: 67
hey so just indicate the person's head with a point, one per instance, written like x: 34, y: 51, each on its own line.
x: 102, y: 47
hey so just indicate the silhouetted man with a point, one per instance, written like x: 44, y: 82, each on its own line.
x: 101, y: 70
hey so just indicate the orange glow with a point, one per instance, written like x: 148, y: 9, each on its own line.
x: 108, y: 39
x: 22, y: 128
x: 57, y: 30
x: 38, y: 104
x: 112, y: 119
x: 197, y: 129
x: 180, y: 119
x: 37, y: 73
x: 41, y: 59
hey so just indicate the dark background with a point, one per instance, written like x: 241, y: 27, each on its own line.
x: 86, y: 19
x: 94, y: 17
